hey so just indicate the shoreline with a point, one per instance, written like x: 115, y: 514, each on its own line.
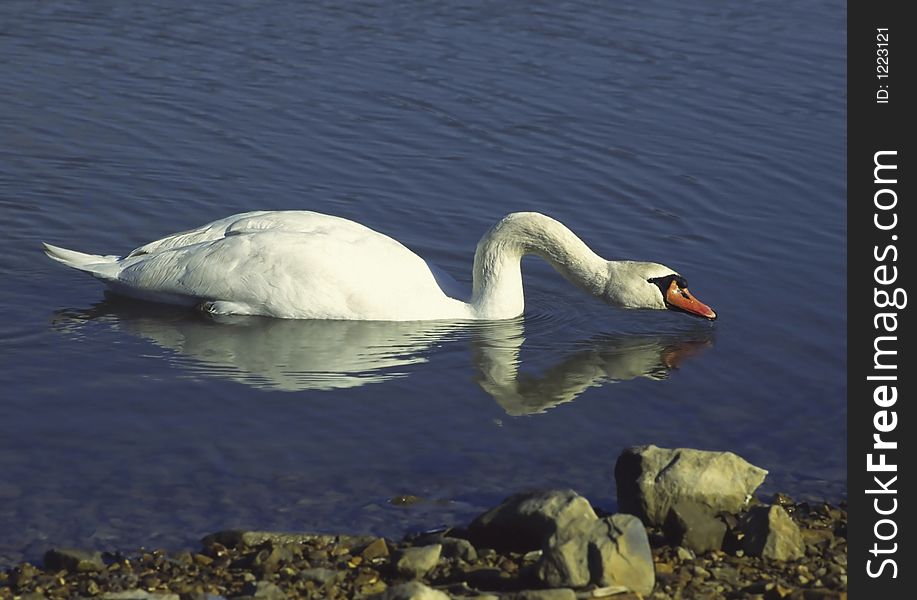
x: 250, y: 564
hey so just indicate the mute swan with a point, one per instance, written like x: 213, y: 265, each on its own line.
x: 307, y: 265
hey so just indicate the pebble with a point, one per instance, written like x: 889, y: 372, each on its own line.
x: 376, y: 549
x: 684, y: 554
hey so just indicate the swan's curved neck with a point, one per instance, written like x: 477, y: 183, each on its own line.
x: 497, y: 291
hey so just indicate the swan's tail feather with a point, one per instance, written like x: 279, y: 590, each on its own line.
x: 96, y: 264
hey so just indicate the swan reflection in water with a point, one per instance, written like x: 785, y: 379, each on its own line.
x: 293, y: 355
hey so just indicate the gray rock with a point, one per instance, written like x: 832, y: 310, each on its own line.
x: 459, y: 548
x: 554, y: 594
x: 565, y: 563
x: 624, y: 555
x: 71, y: 559
x: 691, y: 525
x: 650, y: 480
x: 770, y: 532
x: 525, y: 521
x: 417, y: 561
x: 413, y: 590
x: 614, y: 551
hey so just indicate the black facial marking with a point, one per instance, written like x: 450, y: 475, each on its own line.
x: 663, y: 283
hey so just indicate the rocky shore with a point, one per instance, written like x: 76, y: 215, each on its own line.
x: 689, y: 527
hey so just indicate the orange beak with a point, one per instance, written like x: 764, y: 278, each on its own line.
x: 682, y: 299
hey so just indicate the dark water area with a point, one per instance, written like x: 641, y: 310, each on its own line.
x: 708, y: 136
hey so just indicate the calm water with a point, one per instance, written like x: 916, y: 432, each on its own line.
x: 709, y: 136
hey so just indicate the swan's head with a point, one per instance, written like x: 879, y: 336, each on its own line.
x: 634, y: 284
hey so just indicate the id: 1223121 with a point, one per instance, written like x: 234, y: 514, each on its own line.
x: 882, y: 65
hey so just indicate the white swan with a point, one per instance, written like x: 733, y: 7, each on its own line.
x: 307, y: 265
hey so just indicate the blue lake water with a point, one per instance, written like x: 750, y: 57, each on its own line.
x: 708, y: 136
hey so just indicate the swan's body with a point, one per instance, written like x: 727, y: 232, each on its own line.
x: 306, y: 265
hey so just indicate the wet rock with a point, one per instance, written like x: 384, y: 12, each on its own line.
x: 70, y: 559
x: 770, y: 532
x: 650, y: 480
x: 413, y: 590
x: 459, y: 548
x: 692, y: 525
x: 417, y: 561
x: 613, y: 551
x: 524, y: 522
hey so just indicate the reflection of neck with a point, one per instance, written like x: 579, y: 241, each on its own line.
x: 497, y: 289
x: 497, y: 360
x: 496, y: 356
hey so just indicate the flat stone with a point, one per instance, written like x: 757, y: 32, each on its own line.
x: 691, y: 525
x: 524, y: 522
x: 771, y: 533
x: 650, y: 480
x: 71, y: 559
x: 417, y: 561
x: 413, y: 590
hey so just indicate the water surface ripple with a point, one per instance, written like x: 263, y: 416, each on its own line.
x: 707, y: 136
